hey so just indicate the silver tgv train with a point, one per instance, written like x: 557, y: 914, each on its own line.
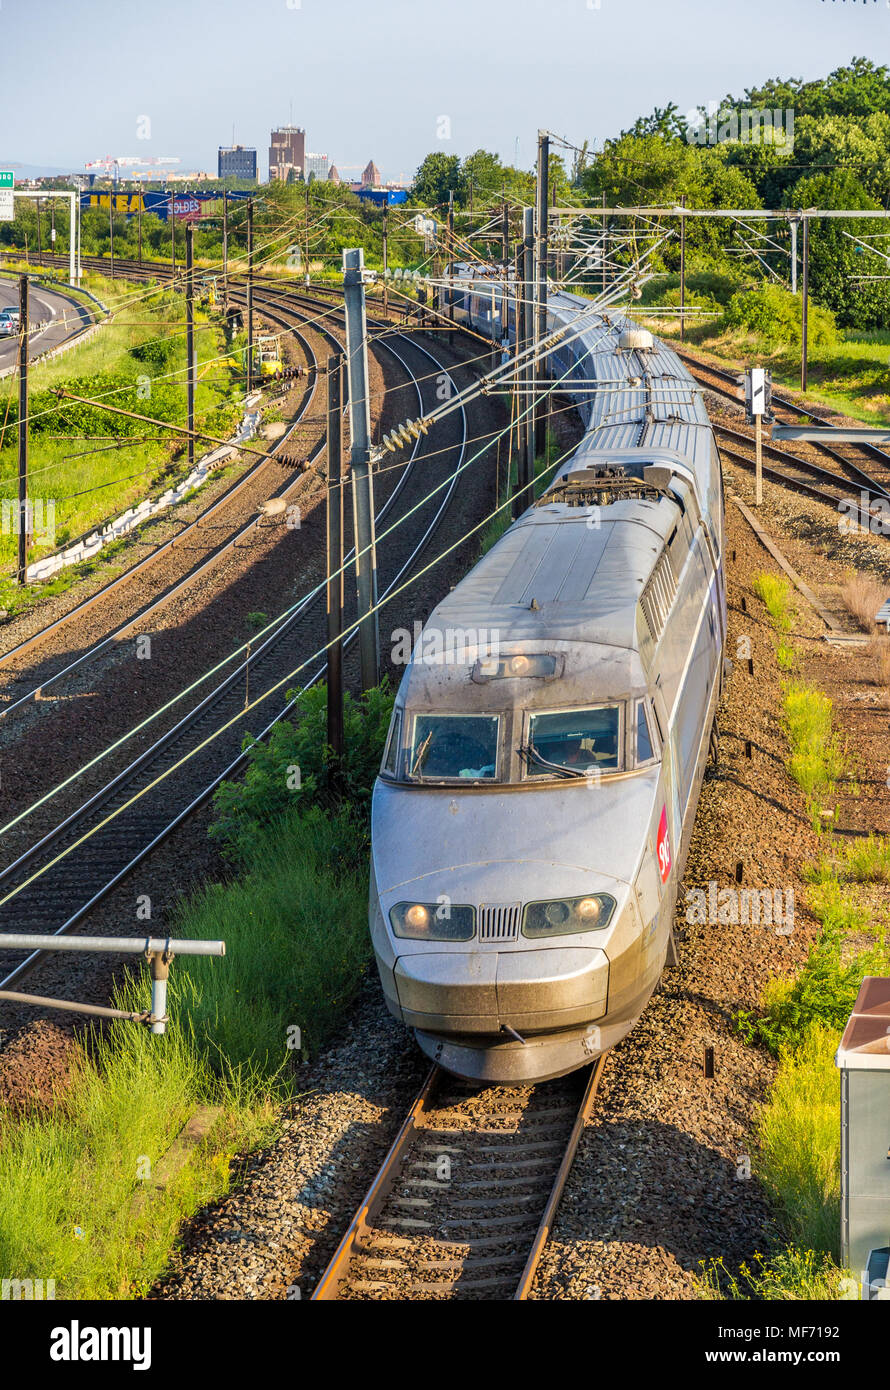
x: 533, y: 812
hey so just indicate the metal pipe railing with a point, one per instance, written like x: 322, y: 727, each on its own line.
x: 159, y: 951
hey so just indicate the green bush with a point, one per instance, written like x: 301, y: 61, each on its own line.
x: 70, y: 1177
x: 291, y: 769
x: 798, y: 1129
x: 790, y: 1275
x: 817, y: 761
x: 823, y: 992
x: 774, y: 314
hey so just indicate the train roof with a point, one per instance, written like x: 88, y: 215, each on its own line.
x: 638, y: 399
x: 555, y: 576
x: 568, y: 574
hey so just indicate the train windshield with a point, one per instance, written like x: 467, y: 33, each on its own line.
x: 454, y: 745
x: 574, y: 741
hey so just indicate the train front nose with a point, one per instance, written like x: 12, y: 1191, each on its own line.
x: 455, y: 958
x: 499, y: 991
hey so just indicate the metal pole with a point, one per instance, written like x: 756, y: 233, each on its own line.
x: 335, y: 585
x: 385, y: 260
x: 39, y: 238
x: 72, y: 239
x: 603, y: 249
x: 79, y: 239
x: 172, y: 240
x: 794, y: 255
x: 190, y: 338
x: 306, y: 267
x: 23, y: 428
x: 805, y: 304
x: 225, y: 264
x: 360, y: 453
x: 518, y: 378
x: 505, y: 256
x: 249, y: 295
x: 139, y: 220
x: 531, y: 368
x: 111, y: 228
x: 758, y: 460
x: 541, y: 278
x: 451, y: 264
x: 682, y: 272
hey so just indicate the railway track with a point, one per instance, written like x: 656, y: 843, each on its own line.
x: 797, y: 472
x: 52, y: 885
x: 261, y: 481
x: 197, y: 535
x: 723, y: 383
x: 464, y: 1202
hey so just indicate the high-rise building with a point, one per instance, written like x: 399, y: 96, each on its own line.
x: 316, y: 164
x: 236, y: 162
x: 287, y: 150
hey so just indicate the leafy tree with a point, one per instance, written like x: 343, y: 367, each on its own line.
x: 652, y: 169
x: 848, y: 91
x: 835, y: 259
x: 438, y: 175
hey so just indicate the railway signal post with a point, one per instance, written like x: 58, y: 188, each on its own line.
x: 758, y: 397
x: 335, y: 561
x: 360, y: 459
x: 23, y: 428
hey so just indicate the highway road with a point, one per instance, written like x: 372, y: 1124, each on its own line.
x: 60, y: 318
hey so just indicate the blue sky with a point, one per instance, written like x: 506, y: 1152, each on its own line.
x: 372, y: 78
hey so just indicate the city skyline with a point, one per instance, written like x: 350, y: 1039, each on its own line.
x: 327, y: 68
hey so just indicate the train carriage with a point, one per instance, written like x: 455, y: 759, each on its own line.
x: 534, y: 809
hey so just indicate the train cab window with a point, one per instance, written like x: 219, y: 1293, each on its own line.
x: 454, y: 746
x: 645, y: 748
x: 391, y: 756
x: 574, y: 741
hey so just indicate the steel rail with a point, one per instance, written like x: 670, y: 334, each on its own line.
x: 328, y: 1287
x: 804, y: 465
x: 784, y: 479
x: 527, y: 1278
x: 358, y: 1241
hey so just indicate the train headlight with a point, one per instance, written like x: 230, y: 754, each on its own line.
x: 442, y: 921
x: 564, y: 916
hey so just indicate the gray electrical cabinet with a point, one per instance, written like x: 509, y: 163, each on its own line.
x: 864, y: 1061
